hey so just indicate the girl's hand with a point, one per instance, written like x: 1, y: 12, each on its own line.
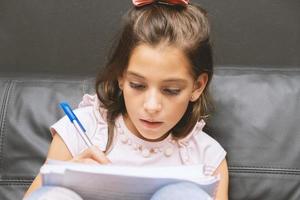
x: 92, y: 155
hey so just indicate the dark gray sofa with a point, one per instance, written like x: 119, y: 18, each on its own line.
x: 50, y: 52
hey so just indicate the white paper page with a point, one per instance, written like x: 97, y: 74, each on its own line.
x: 155, y: 171
x: 107, y: 187
x: 113, y: 182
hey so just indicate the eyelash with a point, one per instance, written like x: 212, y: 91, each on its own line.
x: 171, y: 92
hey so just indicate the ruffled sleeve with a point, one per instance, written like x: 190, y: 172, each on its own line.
x: 199, y: 148
x: 93, y: 101
x: 92, y: 118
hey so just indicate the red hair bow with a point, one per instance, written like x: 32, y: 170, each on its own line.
x: 139, y: 3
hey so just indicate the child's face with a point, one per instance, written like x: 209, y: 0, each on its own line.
x: 157, y: 88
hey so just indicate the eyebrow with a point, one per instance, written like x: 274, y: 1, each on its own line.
x: 130, y: 73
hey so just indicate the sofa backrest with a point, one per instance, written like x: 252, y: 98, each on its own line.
x: 256, y: 119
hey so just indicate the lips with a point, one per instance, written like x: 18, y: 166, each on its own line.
x: 150, y: 123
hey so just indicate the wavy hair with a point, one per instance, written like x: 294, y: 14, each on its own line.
x: 186, y: 28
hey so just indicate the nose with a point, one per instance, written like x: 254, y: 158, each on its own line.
x: 152, y: 102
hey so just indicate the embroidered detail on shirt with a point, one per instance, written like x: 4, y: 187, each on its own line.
x: 185, y: 157
x: 185, y: 147
x: 167, y: 149
x: 147, y: 152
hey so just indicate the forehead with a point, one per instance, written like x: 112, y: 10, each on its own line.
x: 161, y: 62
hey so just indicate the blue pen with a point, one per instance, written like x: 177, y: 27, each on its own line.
x: 75, y: 121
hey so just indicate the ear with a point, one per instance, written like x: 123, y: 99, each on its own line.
x: 199, y: 86
x: 121, y: 82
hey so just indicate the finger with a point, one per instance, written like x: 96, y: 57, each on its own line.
x: 77, y: 160
x: 89, y: 161
x: 94, y: 153
x: 85, y: 161
x: 99, y: 156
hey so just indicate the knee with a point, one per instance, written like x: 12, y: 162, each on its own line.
x: 180, y: 191
x: 53, y: 193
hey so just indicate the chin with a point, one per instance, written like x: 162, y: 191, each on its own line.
x: 151, y: 134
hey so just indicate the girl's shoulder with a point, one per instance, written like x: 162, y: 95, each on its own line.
x: 198, y: 135
x: 93, y: 119
x: 92, y: 102
x: 202, y: 148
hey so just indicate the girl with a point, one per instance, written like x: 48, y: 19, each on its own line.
x: 152, y: 98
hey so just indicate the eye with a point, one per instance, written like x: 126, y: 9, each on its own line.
x: 137, y: 86
x: 171, y: 92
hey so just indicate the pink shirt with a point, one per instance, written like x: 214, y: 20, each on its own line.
x: 196, y: 148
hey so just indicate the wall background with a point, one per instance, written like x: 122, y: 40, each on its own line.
x: 74, y: 36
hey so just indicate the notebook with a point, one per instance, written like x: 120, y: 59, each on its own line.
x: 112, y: 182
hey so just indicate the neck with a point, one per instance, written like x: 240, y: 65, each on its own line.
x: 153, y: 140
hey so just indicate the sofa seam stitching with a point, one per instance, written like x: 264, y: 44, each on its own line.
x: 263, y: 172
x: 2, y: 125
x: 263, y: 167
x: 46, y: 81
x: 288, y: 69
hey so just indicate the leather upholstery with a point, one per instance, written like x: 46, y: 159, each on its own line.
x: 256, y: 119
x: 50, y: 50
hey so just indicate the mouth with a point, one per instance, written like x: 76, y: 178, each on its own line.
x: 150, y: 123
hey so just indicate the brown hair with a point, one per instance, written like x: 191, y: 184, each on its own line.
x: 186, y: 28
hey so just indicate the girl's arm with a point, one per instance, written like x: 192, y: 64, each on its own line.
x: 222, y: 192
x: 59, y: 151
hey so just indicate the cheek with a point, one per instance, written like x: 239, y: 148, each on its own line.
x: 130, y: 98
x: 126, y: 94
x: 182, y: 100
x: 177, y: 108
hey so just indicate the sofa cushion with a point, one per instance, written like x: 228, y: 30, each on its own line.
x: 256, y: 119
